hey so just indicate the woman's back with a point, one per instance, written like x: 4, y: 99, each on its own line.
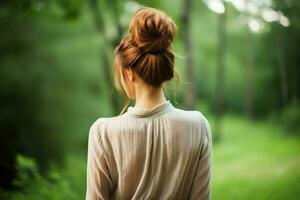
x: 158, y: 153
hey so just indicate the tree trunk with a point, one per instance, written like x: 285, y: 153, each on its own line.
x: 219, y: 95
x: 189, y: 95
x: 250, y: 76
x: 105, y: 52
x: 282, y: 69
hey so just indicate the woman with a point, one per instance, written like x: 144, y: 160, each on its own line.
x: 153, y: 150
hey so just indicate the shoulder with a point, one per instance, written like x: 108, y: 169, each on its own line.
x: 94, y: 130
x: 193, y: 116
x: 205, y: 129
x: 100, y: 125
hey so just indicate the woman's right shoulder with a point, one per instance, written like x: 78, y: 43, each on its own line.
x: 191, y: 115
x: 194, y: 117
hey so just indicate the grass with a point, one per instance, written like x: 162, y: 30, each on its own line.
x: 255, y: 160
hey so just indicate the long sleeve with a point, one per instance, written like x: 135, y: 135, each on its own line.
x: 98, y: 178
x: 201, y: 189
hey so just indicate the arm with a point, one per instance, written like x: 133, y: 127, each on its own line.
x: 98, y: 178
x: 201, y: 185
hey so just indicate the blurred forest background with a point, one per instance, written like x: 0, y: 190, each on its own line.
x: 239, y: 66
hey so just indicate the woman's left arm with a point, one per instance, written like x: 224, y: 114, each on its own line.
x: 99, y: 183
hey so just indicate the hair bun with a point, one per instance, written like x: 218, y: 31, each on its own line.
x: 152, y: 30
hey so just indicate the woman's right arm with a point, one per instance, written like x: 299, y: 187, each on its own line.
x: 201, y: 189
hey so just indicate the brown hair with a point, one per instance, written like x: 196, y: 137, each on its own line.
x: 147, y: 49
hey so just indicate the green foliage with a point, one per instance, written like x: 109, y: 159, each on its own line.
x: 26, y: 170
x: 51, y: 88
x: 291, y: 117
x: 33, y: 186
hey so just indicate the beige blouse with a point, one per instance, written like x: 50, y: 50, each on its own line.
x: 158, y: 153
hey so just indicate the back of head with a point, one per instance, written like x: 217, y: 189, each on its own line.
x: 152, y: 30
x: 148, y: 47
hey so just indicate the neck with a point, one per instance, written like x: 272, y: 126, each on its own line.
x: 149, y: 97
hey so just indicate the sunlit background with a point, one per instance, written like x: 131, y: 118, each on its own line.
x: 238, y: 62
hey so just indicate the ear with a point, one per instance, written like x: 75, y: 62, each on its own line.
x: 130, y: 74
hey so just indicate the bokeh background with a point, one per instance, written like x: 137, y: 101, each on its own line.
x: 238, y: 62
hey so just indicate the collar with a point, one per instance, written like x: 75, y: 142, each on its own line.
x: 146, y: 112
